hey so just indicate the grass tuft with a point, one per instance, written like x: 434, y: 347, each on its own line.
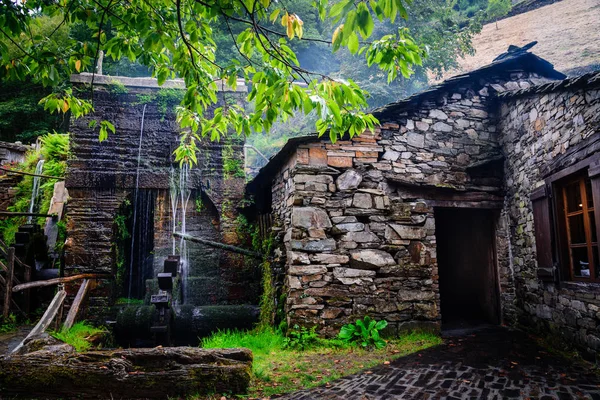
x: 81, y: 335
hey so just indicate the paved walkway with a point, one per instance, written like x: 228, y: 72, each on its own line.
x: 492, y: 364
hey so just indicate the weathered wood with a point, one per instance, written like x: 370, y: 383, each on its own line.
x: 233, y: 249
x: 46, y: 319
x: 30, y: 174
x: 56, y: 281
x: 25, y: 214
x: 79, y: 298
x: 176, y: 372
x: 10, y: 261
x: 5, y: 269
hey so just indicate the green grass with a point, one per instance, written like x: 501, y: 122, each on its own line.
x: 9, y: 324
x: 277, y: 369
x: 125, y: 300
x: 80, y: 335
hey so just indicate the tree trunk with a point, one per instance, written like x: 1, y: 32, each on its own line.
x: 129, y: 373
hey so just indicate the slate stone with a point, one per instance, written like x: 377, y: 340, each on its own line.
x: 310, y: 218
x: 349, y: 180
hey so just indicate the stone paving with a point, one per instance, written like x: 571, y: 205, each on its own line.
x: 492, y: 364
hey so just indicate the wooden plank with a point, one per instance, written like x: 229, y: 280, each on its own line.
x: 9, y: 281
x: 79, y: 298
x: 46, y: 319
x: 56, y: 281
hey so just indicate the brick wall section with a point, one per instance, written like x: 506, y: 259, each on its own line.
x: 536, y: 130
x: 357, y: 216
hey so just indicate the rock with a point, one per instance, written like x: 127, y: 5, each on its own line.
x: 370, y: 259
x: 341, y: 272
x: 415, y: 295
x: 360, y: 237
x: 391, y: 155
x: 422, y: 126
x: 298, y: 258
x: 304, y: 178
x: 344, y: 220
x: 331, y: 313
x: 299, y: 270
x: 310, y: 218
x: 316, y: 186
x: 409, y: 232
x: 324, y: 258
x: 362, y: 200
x: 355, y: 281
x: 314, y: 246
x: 437, y: 114
x: 349, y: 180
x: 350, y: 227
x: 442, y: 127
x: 415, y: 139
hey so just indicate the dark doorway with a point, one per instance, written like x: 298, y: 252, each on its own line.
x: 467, y: 267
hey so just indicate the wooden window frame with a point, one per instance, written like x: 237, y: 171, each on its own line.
x: 589, y: 167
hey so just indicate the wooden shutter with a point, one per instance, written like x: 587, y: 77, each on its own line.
x: 594, y: 174
x: 542, y: 226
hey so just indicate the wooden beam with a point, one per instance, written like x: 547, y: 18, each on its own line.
x: 46, y: 319
x: 56, y: 281
x: 9, y: 281
x: 5, y: 269
x: 26, y: 214
x: 81, y: 294
x: 30, y: 174
x: 228, y: 247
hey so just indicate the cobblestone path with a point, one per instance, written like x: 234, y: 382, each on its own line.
x: 492, y: 364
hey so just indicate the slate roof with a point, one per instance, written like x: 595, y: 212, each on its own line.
x: 514, y: 59
x: 588, y: 80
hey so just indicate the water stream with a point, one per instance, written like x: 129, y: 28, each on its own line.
x: 135, y: 201
x: 36, y: 189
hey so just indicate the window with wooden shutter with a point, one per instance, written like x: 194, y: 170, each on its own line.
x: 542, y: 223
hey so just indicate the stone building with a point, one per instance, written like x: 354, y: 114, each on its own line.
x: 433, y: 219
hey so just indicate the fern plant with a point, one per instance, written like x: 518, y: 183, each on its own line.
x: 364, y: 332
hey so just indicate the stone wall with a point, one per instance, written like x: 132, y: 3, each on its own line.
x: 543, y: 133
x: 358, y: 215
x: 101, y: 179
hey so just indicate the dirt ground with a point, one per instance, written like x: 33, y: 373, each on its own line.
x: 568, y: 35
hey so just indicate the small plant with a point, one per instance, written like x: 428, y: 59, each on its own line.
x: 364, y: 332
x: 9, y: 324
x: 300, y: 338
x: 116, y: 87
x: 82, y: 336
x: 199, y: 205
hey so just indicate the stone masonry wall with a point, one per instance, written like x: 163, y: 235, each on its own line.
x: 536, y: 130
x: 358, y: 214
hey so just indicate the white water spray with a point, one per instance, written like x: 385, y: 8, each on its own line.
x: 36, y: 189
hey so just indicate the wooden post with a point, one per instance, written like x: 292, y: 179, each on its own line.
x: 10, y: 260
x: 27, y: 278
x: 46, y: 319
x: 81, y: 294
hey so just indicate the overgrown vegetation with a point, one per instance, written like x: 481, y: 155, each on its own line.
x: 278, y: 368
x: 82, y: 336
x: 55, y: 151
x: 9, y: 324
x: 122, y: 237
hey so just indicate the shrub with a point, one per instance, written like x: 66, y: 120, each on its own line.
x: 9, y: 324
x: 300, y: 338
x: 364, y: 332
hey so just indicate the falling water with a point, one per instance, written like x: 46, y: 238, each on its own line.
x: 36, y: 189
x: 174, y: 197
x: 135, y: 199
x: 184, y: 193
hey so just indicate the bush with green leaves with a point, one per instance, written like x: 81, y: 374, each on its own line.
x: 301, y: 338
x: 365, y: 332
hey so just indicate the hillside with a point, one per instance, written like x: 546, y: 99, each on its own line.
x: 568, y: 35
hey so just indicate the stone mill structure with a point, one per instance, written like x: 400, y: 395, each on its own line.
x: 127, y: 196
x: 472, y: 202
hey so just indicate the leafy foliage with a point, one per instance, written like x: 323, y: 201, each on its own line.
x: 301, y: 338
x: 81, y: 335
x: 176, y: 39
x: 9, y: 324
x: 365, y: 332
x: 497, y: 9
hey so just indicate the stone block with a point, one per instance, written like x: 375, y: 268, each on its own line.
x: 416, y: 139
x: 360, y: 237
x: 340, y: 162
x: 298, y: 258
x: 317, y: 156
x: 316, y: 187
x: 324, y: 258
x: 310, y: 218
x: 304, y: 178
x: 409, y: 232
x: 438, y: 114
x: 314, y: 246
x: 341, y: 272
x: 299, y: 270
x: 362, y: 200
x: 370, y: 259
x: 349, y: 180
x: 442, y: 127
x: 348, y: 227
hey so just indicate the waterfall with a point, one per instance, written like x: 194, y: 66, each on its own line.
x: 174, y: 201
x: 135, y: 201
x: 36, y: 189
x: 184, y: 193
